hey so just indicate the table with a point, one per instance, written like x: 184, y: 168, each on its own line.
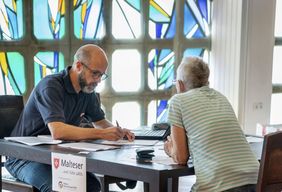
x: 114, y: 163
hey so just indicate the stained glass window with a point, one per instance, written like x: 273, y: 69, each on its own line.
x: 11, y: 19
x: 88, y: 19
x: 126, y: 19
x: 126, y: 67
x: 46, y: 63
x: 49, y: 19
x: 12, y: 77
x: 157, y: 111
x: 127, y: 114
x: 162, y: 23
x: 200, y: 52
x: 196, y: 18
x: 160, y: 69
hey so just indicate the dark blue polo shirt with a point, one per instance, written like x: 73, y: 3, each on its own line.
x: 54, y: 99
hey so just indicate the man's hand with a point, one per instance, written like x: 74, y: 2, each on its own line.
x: 129, y: 135
x: 113, y: 133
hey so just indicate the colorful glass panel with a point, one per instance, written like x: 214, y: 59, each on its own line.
x: 157, y: 111
x: 88, y: 19
x: 162, y: 19
x: 11, y: 20
x: 160, y: 69
x: 199, y: 52
x: 126, y: 19
x: 49, y: 19
x: 12, y: 74
x: 46, y: 63
x: 196, y: 18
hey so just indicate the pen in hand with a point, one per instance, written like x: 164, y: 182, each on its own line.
x: 117, y: 123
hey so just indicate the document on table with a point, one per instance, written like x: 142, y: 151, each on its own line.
x: 33, y: 140
x: 126, y: 142
x: 87, y: 146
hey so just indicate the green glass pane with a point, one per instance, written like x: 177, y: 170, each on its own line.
x: 88, y: 19
x: 46, y: 63
x: 49, y: 19
x: 162, y: 23
x: 160, y: 69
x: 11, y: 20
x: 126, y: 19
x: 12, y: 74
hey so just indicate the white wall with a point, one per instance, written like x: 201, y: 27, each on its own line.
x: 225, y: 54
x: 241, y: 57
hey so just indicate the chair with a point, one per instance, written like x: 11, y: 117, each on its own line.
x: 11, y: 107
x: 270, y: 171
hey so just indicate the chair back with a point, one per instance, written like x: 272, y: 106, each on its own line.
x: 11, y: 107
x: 270, y: 171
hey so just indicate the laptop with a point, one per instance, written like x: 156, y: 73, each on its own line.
x: 158, y: 131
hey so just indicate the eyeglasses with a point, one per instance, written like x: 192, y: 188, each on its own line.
x: 95, y: 73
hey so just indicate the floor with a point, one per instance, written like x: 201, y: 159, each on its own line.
x: 185, y: 184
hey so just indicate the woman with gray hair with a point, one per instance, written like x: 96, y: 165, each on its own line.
x: 205, y: 128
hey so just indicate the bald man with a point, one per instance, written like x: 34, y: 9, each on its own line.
x: 65, y: 106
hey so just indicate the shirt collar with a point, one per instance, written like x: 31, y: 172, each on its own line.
x: 67, y: 81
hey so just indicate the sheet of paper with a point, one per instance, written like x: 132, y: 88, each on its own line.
x: 87, y: 146
x: 33, y: 140
x: 126, y: 142
x: 165, y: 160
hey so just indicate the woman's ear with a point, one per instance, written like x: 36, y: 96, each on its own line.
x: 180, y: 86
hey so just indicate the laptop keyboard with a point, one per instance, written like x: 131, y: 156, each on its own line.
x: 150, y: 133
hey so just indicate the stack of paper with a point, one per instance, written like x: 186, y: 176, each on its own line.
x: 33, y: 140
x: 87, y: 146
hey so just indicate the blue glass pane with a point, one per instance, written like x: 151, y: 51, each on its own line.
x: 160, y: 69
x: 46, y: 63
x: 194, y: 52
x: 88, y: 19
x: 196, y: 19
x: 11, y: 20
x: 199, y: 52
x: 126, y: 19
x: 157, y: 111
x: 49, y: 19
x: 12, y: 74
x: 162, y: 23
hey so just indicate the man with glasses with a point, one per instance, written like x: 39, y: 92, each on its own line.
x: 57, y: 106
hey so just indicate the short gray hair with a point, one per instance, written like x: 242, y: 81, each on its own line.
x: 194, y: 72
